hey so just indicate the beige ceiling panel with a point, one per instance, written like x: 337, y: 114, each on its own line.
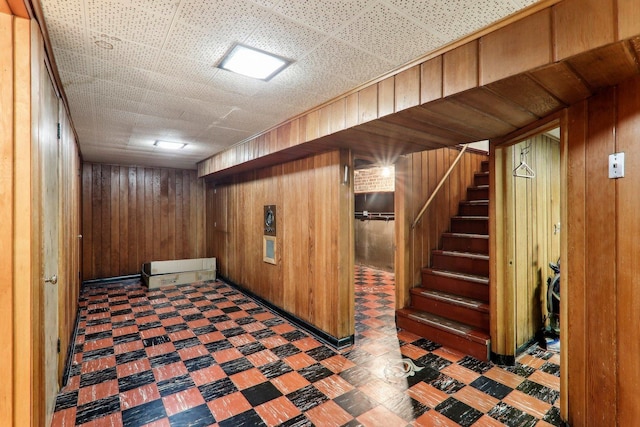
x: 310, y: 79
x: 185, y: 68
x: 68, y: 35
x: 204, y: 45
x: 120, y: 19
x: 238, y: 84
x: 232, y: 18
x: 284, y: 37
x: 342, y: 59
x: 73, y: 62
x: 391, y: 36
x: 158, y: 7
x: 117, y: 73
x: 327, y: 16
x: 110, y: 103
x: 123, y: 52
x: 70, y: 11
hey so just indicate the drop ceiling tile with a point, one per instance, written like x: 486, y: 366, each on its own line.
x: 236, y: 83
x: 327, y: 16
x: 346, y: 61
x: 185, y: 68
x: 248, y: 120
x: 389, y: 35
x: 128, y: 22
x: 110, y: 103
x: 67, y: 35
x: 157, y: 7
x: 231, y: 19
x: 223, y: 137
x: 124, y: 53
x: 73, y: 62
x: 68, y: 11
x: 304, y: 77
x: 204, y: 45
x: 116, y: 90
x: 284, y: 37
x: 117, y: 73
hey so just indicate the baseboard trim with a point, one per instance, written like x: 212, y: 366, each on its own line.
x: 111, y: 279
x: 70, y: 350
x: 337, y: 343
x: 503, y: 359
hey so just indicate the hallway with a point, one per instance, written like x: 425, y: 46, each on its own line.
x: 201, y: 354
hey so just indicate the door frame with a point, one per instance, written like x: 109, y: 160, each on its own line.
x: 502, y: 307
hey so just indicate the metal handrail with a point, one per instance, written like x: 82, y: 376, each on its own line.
x: 440, y: 184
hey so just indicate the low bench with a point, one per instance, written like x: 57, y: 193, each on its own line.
x: 178, y: 272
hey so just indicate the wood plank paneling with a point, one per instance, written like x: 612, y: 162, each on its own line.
x: 6, y: 213
x: 417, y: 175
x: 460, y: 69
x: 628, y: 19
x: 601, y: 260
x: 136, y: 215
x: 628, y: 254
x: 582, y: 25
x: 314, y: 249
x: 407, y: 88
x: 431, y: 80
x: 386, y: 97
x: 533, y: 209
x: 515, y: 42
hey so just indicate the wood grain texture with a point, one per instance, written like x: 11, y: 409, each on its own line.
x: 386, y: 97
x: 515, y: 42
x: 628, y: 19
x: 407, y: 88
x: 628, y: 253
x: 431, y: 80
x: 460, y: 69
x: 582, y: 25
x: 417, y: 175
x: 314, y: 240
x: 6, y: 212
x: 135, y: 215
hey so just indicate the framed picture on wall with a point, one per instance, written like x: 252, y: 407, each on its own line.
x: 269, y: 249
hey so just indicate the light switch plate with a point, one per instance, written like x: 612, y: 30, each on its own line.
x: 616, y: 165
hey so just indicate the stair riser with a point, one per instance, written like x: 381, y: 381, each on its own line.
x: 477, y: 193
x: 484, y: 166
x: 465, y: 315
x: 455, y: 286
x: 470, y: 226
x: 478, y: 267
x: 465, y: 244
x: 473, y: 209
x: 481, y: 179
x: 479, y: 351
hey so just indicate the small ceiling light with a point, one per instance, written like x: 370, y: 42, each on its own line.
x: 169, y: 145
x: 253, y: 63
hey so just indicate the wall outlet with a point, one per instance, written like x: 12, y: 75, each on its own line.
x: 616, y: 165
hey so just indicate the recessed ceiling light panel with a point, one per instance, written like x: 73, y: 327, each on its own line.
x: 253, y: 63
x: 167, y: 145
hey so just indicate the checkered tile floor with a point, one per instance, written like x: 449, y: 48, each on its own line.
x: 206, y: 354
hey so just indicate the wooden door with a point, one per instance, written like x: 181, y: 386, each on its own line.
x: 49, y: 202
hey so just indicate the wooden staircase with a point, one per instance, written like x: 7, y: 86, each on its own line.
x: 451, y: 307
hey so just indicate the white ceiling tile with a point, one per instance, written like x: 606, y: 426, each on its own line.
x: 185, y: 68
x: 158, y: 7
x: 326, y: 15
x: 284, y: 37
x: 389, y: 35
x: 204, y: 45
x: 346, y: 61
x: 71, y: 11
x: 117, y: 73
x: 231, y: 19
x: 303, y: 76
x: 223, y: 137
x: 236, y: 83
x: 67, y: 35
x: 73, y: 62
x: 124, y: 52
x: 127, y: 22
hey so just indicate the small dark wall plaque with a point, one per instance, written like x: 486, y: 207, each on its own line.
x: 269, y: 220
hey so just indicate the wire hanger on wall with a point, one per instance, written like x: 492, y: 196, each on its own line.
x: 523, y: 170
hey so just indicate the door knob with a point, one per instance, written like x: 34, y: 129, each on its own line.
x: 53, y: 280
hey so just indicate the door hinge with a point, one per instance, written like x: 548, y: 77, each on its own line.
x: 58, y: 346
x: 58, y: 130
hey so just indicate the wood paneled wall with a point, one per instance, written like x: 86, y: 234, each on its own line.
x: 530, y: 59
x: 132, y: 215
x: 417, y: 175
x: 600, y: 278
x: 531, y: 209
x: 313, y: 276
x: 29, y: 128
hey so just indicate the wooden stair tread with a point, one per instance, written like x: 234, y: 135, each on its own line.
x: 475, y: 202
x: 453, y: 299
x: 470, y: 255
x: 448, y: 325
x: 471, y: 218
x: 483, y: 280
x: 480, y: 187
x: 466, y: 235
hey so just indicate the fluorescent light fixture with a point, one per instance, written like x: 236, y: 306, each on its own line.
x: 169, y: 145
x: 253, y: 63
